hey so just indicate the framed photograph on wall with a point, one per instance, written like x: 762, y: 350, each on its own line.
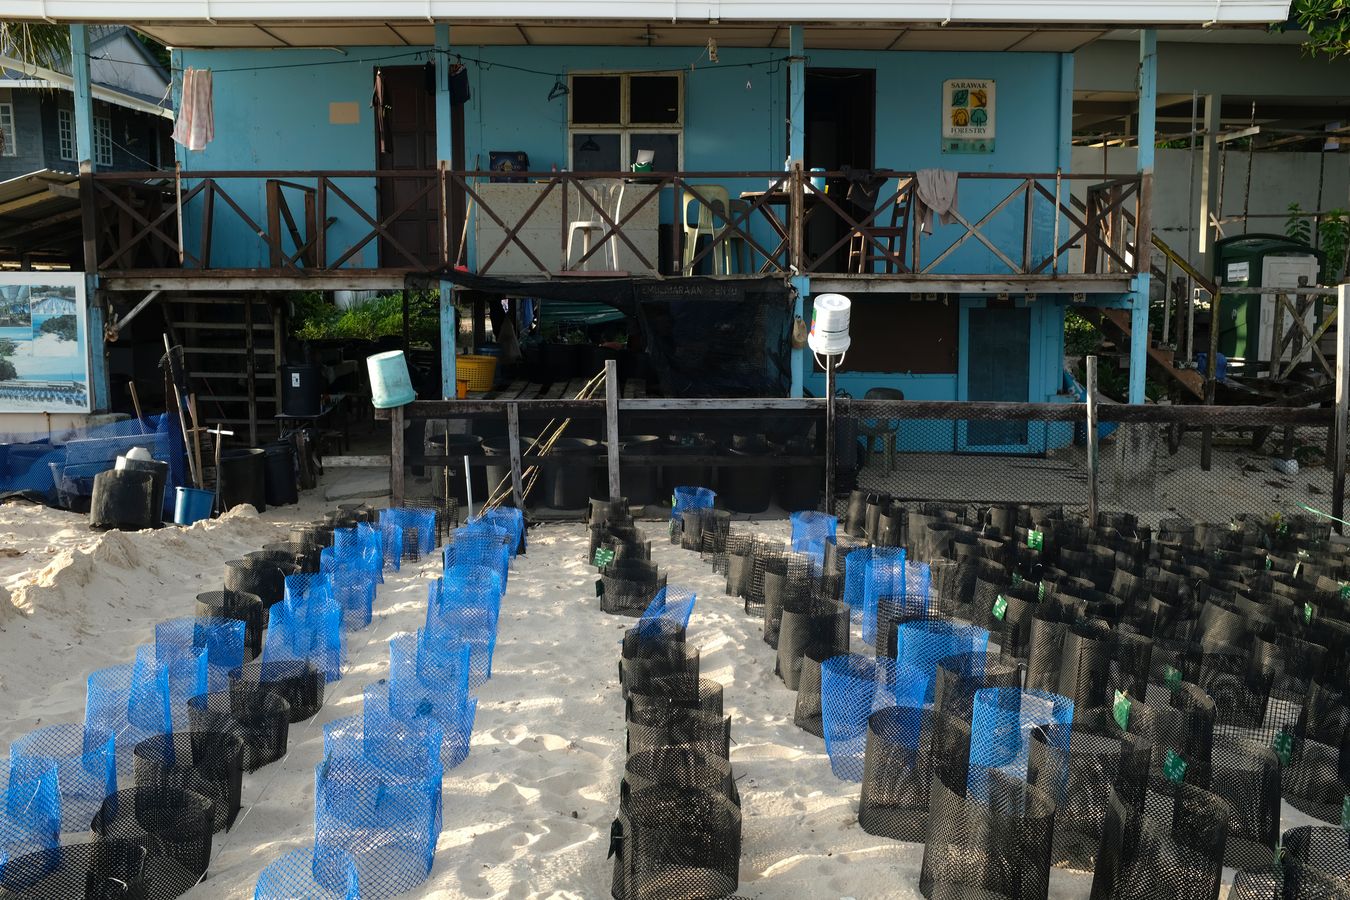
x: 44, y: 343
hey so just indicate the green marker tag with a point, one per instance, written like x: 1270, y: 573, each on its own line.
x: 1035, y: 540
x: 1120, y: 708
x: 1284, y: 745
x: 599, y: 588
x: 1173, y: 676
x: 673, y: 525
x: 1040, y: 590
x: 1345, y: 812
x: 1267, y: 563
x: 1307, y: 613
x: 1345, y: 593
x: 1298, y: 567
x: 603, y: 556
x: 1000, y: 607
x: 1174, y: 767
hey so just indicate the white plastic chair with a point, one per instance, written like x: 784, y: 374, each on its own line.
x: 607, y: 192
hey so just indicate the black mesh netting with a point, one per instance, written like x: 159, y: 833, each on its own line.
x: 175, y: 825
x: 617, y: 542
x: 672, y: 842
x: 258, y: 717
x: 209, y: 764
x: 1178, y: 722
x: 263, y: 577
x: 898, y: 767
x: 680, y: 766
x: 740, y: 565
x: 1317, y: 778
x: 296, y: 681
x: 713, y: 543
x: 679, y: 726
x: 244, y: 607
x: 99, y: 870
x: 669, y: 691
x: 1288, y: 882
x: 653, y: 653
x: 994, y: 847
x: 806, y: 622
x: 1247, y: 775
x: 1173, y: 850
x: 787, y: 582
x: 627, y: 586
x: 1240, y: 690
x: 1319, y: 848
x: 959, y: 677
x: 1079, y: 766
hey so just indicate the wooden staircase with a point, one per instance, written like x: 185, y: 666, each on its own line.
x: 1163, y: 358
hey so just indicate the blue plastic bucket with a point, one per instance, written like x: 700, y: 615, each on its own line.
x: 390, y: 384
x: 192, y: 505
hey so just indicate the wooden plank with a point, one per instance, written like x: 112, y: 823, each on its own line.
x: 513, y: 439
x: 612, y: 424
x: 1162, y: 358
x: 356, y: 462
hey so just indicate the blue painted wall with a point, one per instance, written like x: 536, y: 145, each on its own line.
x: 272, y: 111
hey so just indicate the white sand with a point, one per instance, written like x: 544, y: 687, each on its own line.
x: 528, y: 813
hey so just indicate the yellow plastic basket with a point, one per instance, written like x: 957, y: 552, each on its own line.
x: 479, y: 371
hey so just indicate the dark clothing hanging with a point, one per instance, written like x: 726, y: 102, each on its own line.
x: 384, y: 125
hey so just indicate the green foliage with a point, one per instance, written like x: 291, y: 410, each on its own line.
x: 1081, y: 337
x: 315, y: 319
x: 1327, y: 23
x: 1298, y: 227
x: 7, y: 370
x: 1333, y: 236
x: 61, y: 326
x: 36, y: 42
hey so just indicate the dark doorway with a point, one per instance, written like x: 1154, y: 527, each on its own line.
x: 998, y: 367
x: 409, y: 145
x: 840, y: 134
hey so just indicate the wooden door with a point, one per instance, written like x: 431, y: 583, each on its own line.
x: 410, y: 130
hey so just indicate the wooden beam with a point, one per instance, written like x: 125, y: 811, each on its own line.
x: 1092, y: 437
x: 612, y: 425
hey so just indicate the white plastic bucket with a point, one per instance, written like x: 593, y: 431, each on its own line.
x: 829, y: 334
x: 390, y: 383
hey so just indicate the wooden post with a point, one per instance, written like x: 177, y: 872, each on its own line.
x: 89, y: 218
x: 250, y: 371
x: 612, y: 424
x: 831, y: 454
x: 1207, y: 434
x: 796, y: 239
x: 1342, y: 404
x: 1092, y: 458
x: 513, y: 441
x: 396, y: 456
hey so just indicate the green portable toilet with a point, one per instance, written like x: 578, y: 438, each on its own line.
x: 1246, y: 321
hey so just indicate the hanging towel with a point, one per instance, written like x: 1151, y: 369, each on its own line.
x: 935, y: 193
x: 384, y: 124
x: 196, y: 123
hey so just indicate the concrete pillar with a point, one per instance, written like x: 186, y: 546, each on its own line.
x: 797, y: 93
x: 1209, y: 183
x: 84, y: 95
x: 1148, y: 115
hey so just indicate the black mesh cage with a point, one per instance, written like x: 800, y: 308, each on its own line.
x: 1247, y: 775
x: 101, y: 870
x: 679, y: 690
x: 898, y: 766
x: 1173, y: 850
x: 678, y: 726
x: 646, y: 660
x: 958, y: 677
x: 679, y: 766
x: 1317, y: 778
x: 298, y: 682
x: 1240, y: 691
x: 1287, y: 882
x: 1079, y: 766
x: 172, y: 825
x: 787, y: 582
x: 713, y: 544
x: 210, y: 764
x: 671, y: 842
x: 628, y: 586
x: 1318, y: 848
x: 804, y: 623
x: 258, y: 717
x: 1178, y: 722
x: 243, y: 607
x: 993, y: 847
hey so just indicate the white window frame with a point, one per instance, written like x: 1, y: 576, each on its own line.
x: 10, y: 129
x: 65, y: 133
x: 625, y: 129
x: 103, y: 144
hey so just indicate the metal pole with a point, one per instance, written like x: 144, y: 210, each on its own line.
x: 1207, y: 434
x: 513, y: 439
x: 612, y: 424
x: 1342, y: 404
x: 1092, y: 437
x: 831, y: 454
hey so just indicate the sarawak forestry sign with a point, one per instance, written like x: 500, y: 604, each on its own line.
x: 968, y: 115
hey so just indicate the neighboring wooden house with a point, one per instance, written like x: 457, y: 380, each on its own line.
x: 304, y: 187
x: 132, y: 112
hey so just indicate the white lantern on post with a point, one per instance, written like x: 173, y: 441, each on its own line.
x: 829, y: 338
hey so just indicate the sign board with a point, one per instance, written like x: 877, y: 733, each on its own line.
x: 1237, y: 271
x: 968, y: 115
x: 44, y: 343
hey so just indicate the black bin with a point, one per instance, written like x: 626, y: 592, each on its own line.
x: 279, y: 483
x: 241, y: 478
x: 300, y: 390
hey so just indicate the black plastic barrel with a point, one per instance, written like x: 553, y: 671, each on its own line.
x: 798, y: 487
x: 499, y: 471
x: 674, y: 474
x: 641, y: 484
x: 456, y: 447
x: 241, y: 479
x: 567, y: 484
x: 279, y: 474
x: 747, y: 489
x: 124, y: 499
x: 160, y: 472
x: 300, y: 390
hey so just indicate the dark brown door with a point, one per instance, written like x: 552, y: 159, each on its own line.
x: 410, y: 139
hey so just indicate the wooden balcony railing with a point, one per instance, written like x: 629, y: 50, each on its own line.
x: 548, y: 223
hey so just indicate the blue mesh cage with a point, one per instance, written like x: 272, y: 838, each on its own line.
x: 85, y: 762
x: 308, y: 632
x: 852, y: 687
x: 669, y: 609
x: 63, y: 471
x: 364, y: 542
x: 922, y: 644
x: 481, y: 545
x: 130, y: 702
x: 438, y: 690
x: 810, y: 531
x: 409, y: 748
x: 391, y: 542
x: 884, y: 581
x: 462, y: 608
x: 388, y: 821
x: 187, y: 671
x: 856, y: 566
x: 1000, y: 732
x: 30, y: 810
x: 221, y: 639
x: 312, y: 873
x: 686, y: 498
x: 408, y: 518
x: 510, y: 520
x: 308, y: 587
x: 352, y: 580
